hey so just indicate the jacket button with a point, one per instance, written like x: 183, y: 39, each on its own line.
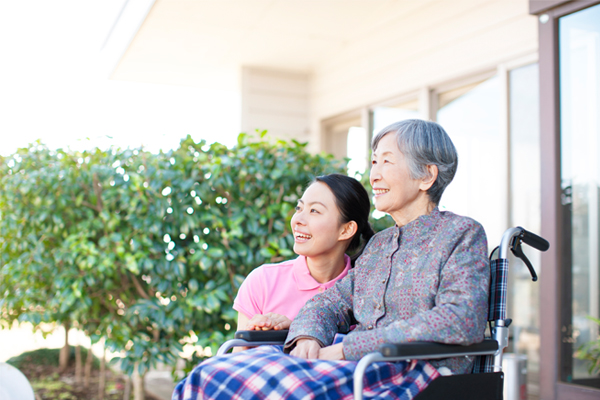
x: 370, y: 327
x: 378, y: 306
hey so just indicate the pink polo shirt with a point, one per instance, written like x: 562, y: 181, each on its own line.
x: 280, y: 288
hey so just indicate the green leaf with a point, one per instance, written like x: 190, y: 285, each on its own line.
x: 215, y: 252
x: 267, y: 252
x: 132, y: 264
x: 193, y: 285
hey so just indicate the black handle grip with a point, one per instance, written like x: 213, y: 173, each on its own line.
x: 534, y: 240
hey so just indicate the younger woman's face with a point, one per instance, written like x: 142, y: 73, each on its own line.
x: 317, y: 223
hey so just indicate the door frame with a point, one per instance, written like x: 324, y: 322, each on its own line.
x: 554, y: 290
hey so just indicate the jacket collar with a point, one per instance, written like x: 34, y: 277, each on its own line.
x: 420, y: 227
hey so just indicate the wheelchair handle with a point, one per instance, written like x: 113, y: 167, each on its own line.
x: 535, y: 241
x: 512, y: 237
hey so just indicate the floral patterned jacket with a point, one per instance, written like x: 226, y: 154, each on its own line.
x: 426, y: 281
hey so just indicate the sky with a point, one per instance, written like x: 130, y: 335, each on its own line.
x: 52, y: 86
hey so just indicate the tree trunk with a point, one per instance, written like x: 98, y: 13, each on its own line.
x: 127, y: 388
x: 78, y: 366
x: 138, y: 384
x: 63, y: 358
x: 88, y: 368
x: 102, y: 377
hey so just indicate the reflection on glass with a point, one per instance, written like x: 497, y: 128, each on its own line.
x: 525, y: 211
x: 579, y: 49
x: 472, y: 118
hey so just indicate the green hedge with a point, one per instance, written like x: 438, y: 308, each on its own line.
x: 145, y: 250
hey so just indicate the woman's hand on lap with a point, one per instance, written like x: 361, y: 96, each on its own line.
x: 306, y: 348
x: 335, y: 352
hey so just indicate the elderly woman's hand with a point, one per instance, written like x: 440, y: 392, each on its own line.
x: 267, y: 322
x: 306, y: 348
x: 335, y: 352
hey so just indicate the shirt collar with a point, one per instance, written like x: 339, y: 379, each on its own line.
x: 422, y: 221
x: 305, y: 281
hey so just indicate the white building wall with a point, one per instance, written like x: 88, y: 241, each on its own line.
x: 440, y: 42
x: 276, y: 101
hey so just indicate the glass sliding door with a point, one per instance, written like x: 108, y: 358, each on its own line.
x: 579, y: 72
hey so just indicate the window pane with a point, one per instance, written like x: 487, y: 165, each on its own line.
x: 336, y: 134
x: 472, y: 120
x: 357, y: 150
x: 579, y: 49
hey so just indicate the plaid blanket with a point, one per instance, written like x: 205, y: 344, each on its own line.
x: 267, y: 373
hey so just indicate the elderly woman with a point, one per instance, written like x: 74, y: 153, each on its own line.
x: 426, y: 278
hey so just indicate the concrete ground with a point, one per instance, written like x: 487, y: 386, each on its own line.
x: 159, y: 384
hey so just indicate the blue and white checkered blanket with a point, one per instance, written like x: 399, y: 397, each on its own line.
x: 267, y: 373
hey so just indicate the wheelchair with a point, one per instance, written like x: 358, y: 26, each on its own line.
x: 486, y: 382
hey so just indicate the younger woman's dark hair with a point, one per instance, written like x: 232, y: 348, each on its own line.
x: 352, y: 200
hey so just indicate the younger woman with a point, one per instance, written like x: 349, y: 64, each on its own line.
x: 330, y: 220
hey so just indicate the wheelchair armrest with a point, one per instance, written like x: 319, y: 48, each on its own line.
x: 262, y: 336
x: 437, y: 350
x: 253, y: 339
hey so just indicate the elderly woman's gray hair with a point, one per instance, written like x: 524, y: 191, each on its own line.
x: 424, y: 143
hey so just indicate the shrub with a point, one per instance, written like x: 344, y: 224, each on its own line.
x: 48, y: 357
x: 146, y: 250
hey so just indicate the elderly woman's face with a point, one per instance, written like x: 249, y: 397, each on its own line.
x: 393, y: 188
